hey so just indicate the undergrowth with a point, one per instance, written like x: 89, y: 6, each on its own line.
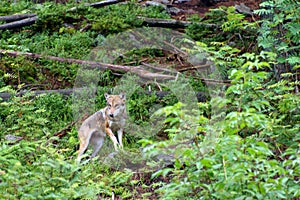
x: 241, y: 143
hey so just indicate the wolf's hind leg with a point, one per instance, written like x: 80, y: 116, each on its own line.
x: 97, y: 146
x: 84, y: 143
x: 82, y: 148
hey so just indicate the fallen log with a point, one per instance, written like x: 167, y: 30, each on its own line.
x: 11, y: 18
x: 18, y: 24
x: 98, y: 4
x: 137, y: 70
x: 172, y: 23
x: 105, y: 3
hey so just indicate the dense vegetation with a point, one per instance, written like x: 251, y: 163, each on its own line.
x: 243, y: 142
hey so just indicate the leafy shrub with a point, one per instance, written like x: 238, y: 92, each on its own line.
x: 243, y: 154
x: 34, y: 118
x: 279, y: 33
x: 229, y: 27
x: 249, y: 150
x: 117, y: 18
x: 36, y: 164
x: 9, y: 8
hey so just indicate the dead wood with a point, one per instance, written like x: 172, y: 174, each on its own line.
x: 137, y: 70
x: 65, y: 130
x: 13, y: 139
x: 99, y: 4
x: 172, y: 23
x: 105, y: 3
x: 18, y: 24
x: 11, y: 18
x: 61, y: 133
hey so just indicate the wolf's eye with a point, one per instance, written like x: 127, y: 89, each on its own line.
x: 117, y: 105
x: 109, y: 105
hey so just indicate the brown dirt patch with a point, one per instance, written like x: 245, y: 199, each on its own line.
x: 196, y: 7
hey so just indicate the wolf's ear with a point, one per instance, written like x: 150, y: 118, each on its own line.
x: 106, y: 96
x: 122, y: 95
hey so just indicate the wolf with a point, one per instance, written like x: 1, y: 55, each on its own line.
x: 104, y: 122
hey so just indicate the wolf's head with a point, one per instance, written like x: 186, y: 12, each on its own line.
x: 115, y: 105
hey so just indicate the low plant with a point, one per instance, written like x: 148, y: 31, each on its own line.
x: 242, y: 154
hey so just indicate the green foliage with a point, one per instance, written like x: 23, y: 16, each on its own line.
x: 279, y: 31
x: 66, y: 45
x: 18, y: 71
x: 9, y: 8
x: 234, y: 29
x: 47, y: 176
x: 204, y: 33
x: 117, y: 18
x: 140, y: 104
x: 75, y: 45
x: 50, y: 16
x: 243, y: 154
x: 34, y: 118
x: 138, y: 54
x: 241, y: 146
x: 34, y: 165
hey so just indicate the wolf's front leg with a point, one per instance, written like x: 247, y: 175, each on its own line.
x: 120, y: 136
x: 112, y: 137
